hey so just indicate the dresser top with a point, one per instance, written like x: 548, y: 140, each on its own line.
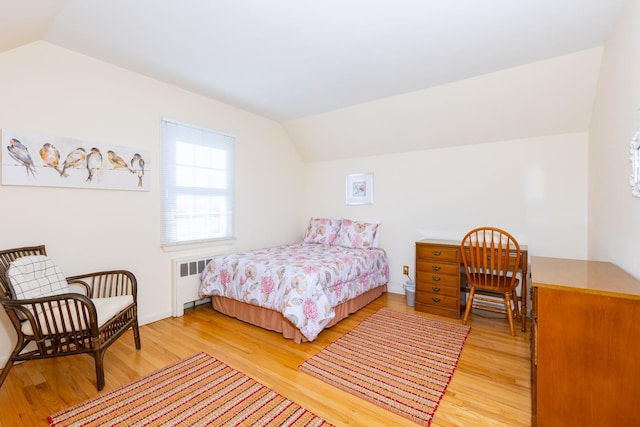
x: 596, y: 277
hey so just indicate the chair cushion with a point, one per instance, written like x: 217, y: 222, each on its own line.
x: 106, y: 309
x: 36, y: 276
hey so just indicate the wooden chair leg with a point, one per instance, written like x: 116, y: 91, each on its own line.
x: 99, y: 359
x: 20, y: 345
x: 516, y: 302
x: 507, y: 303
x: 136, y: 334
x: 469, y: 304
x: 5, y: 371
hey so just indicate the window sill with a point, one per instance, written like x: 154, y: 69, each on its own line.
x: 198, y: 245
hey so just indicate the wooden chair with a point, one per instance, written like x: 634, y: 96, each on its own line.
x: 491, y: 258
x: 46, y: 311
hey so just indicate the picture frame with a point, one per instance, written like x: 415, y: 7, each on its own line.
x: 359, y: 189
x: 32, y: 159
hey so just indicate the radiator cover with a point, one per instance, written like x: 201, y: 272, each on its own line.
x: 186, y: 282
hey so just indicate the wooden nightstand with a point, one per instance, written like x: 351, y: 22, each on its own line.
x: 438, y: 277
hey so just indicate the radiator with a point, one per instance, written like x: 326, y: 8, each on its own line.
x: 186, y: 282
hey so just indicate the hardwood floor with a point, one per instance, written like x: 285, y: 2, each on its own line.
x: 491, y: 385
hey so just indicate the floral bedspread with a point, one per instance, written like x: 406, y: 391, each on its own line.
x: 303, y: 281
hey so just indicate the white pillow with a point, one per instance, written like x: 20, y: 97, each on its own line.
x: 36, y: 276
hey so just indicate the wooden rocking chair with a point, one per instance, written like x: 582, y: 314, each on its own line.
x: 45, y: 309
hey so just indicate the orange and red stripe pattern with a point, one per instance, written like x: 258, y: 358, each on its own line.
x: 401, y: 362
x: 199, y: 390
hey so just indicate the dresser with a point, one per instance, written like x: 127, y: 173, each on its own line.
x: 585, y: 344
x: 440, y: 279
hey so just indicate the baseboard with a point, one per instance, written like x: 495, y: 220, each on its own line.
x: 154, y: 317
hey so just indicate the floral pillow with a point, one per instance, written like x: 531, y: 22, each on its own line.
x: 322, y: 230
x: 357, y: 234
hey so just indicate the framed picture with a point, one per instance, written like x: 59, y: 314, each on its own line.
x: 55, y: 161
x: 360, y: 189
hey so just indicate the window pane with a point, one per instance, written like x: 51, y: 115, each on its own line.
x: 197, y: 184
x: 200, y: 217
x: 200, y: 178
x: 199, y: 155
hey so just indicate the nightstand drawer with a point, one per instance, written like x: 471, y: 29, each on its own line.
x: 438, y: 267
x: 431, y: 288
x: 437, y: 279
x: 439, y: 310
x: 435, y: 252
x: 432, y: 299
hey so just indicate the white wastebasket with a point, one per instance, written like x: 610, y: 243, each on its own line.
x: 410, y: 291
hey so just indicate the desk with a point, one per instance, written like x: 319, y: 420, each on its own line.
x: 585, y: 341
x: 439, y: 277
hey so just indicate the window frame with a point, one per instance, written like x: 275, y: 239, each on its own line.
x: 209, y: 138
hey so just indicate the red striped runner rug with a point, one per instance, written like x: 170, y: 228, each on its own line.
x: 401, y: 362
x: 199, y: 390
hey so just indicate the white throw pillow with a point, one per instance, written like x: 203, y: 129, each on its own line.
x: 36, y: 276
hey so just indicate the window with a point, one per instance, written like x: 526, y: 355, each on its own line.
x: 197, y: 184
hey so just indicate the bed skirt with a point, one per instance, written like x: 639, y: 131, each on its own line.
x: 274, y: 321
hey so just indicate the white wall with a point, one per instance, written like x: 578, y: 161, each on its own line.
x: 52, y: 91
x: 614, y: 214
x: 519, y: 134
x: 548, y: 97
x: 535, y: 188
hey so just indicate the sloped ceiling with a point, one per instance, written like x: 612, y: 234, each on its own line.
x: 550, y: 97
x: 290, y: 59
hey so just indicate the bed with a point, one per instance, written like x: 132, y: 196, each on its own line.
x: 301, y: 288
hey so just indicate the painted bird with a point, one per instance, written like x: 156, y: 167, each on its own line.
x: 50, y: 156
x: 117, y: 161
x: 94, y: 162
x: 20, y: 153
x: 137, y: 164
x: 75, y: 159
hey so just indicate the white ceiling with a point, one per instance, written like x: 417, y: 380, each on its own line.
x: 286, y: 59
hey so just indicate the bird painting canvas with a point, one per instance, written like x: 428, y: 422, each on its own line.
x: 54, y: 161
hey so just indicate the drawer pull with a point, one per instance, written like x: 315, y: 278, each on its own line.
x: 435, y: 289
x: 435, y: 278
x: 436, y: 268
x: 435, y: 299
x: 437, y: 253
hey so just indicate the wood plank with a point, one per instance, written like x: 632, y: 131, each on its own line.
x: 491, y: 385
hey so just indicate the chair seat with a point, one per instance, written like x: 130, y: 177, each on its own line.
x: 106, y: 309
x: 501, y: 287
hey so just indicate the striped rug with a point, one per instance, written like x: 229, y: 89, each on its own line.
x: 199, y: 390
x: 401, y: 362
